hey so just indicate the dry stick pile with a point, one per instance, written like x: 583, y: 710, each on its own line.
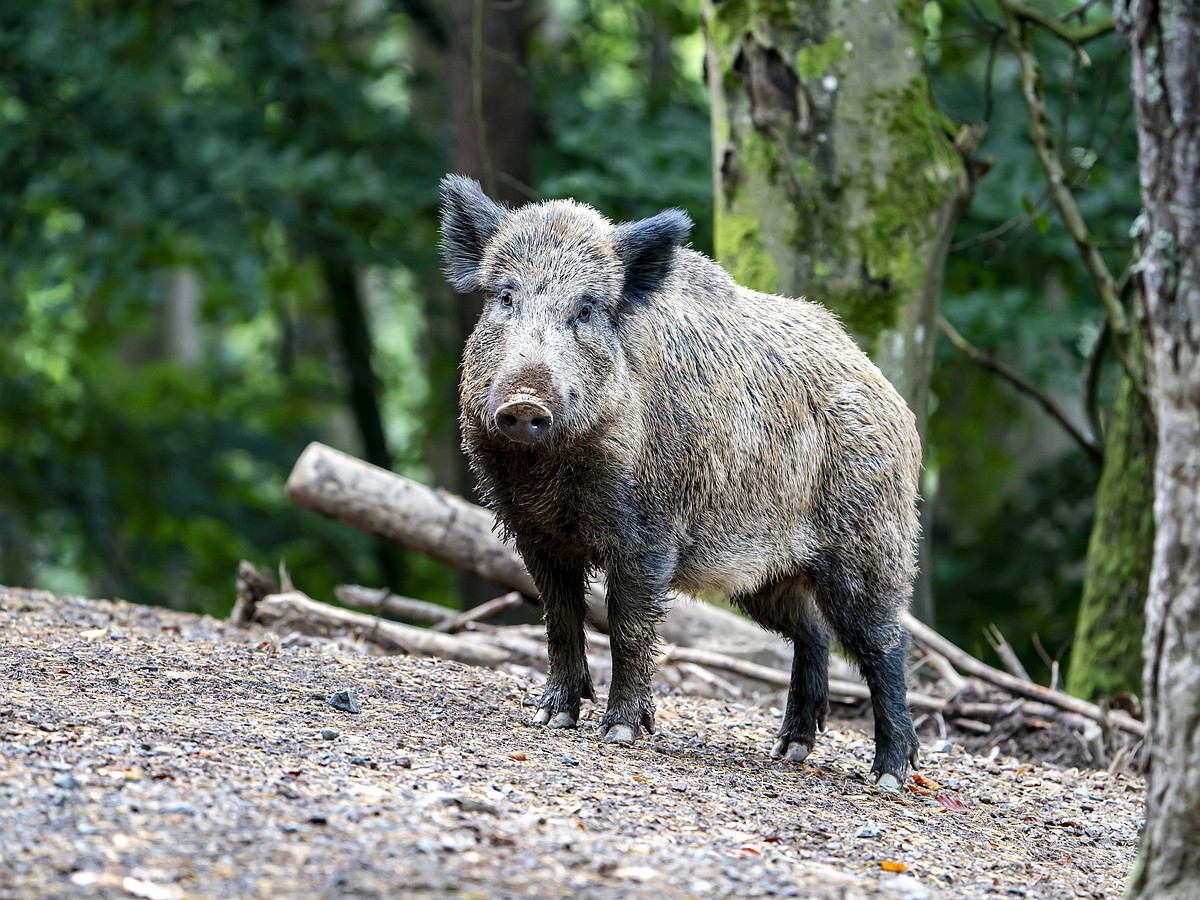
x: 460, y: 534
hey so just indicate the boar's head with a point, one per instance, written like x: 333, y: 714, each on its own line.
x: 546, y: 362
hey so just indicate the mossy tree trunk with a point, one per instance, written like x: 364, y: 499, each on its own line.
x: 834, y: 176
x: 1106, y: 657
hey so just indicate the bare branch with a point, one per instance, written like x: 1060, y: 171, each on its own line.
x: 479, y: 613
x: 1090, y: 448
x: 1076, y: 37
x: 1017, y: 14
x: 1004, y: 650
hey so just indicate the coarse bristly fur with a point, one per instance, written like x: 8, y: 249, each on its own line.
x: 628, y: 408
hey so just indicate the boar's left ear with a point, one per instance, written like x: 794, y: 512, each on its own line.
x: 647, y: 249
x: 469, y: 219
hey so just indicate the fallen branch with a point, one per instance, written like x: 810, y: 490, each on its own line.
x: 438, y: 524
x: 460, y: 534
x: 926, y: 637
x: 296, y: 612
x: 479, y: 613
x: 1007, y: 654
x: 383, y: 602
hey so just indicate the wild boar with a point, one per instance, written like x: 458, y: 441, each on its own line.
x: 629, y: 409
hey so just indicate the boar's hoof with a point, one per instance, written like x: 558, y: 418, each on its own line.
x: 524, y: 420
x: 792, y: 751
x: 618, y: 734
x: 559, y: 720
x: 888, y: 782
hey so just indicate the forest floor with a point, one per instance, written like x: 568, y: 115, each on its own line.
x: 150, y: 753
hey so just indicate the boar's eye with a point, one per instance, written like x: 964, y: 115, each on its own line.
x: 506, y: 298
x: 585, y: 313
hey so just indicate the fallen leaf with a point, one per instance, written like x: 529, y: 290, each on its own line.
x: 923, y: 781
x: 748, y: 852
x: 888, y: 866
x: 519, y: 757
x: 951, y: 803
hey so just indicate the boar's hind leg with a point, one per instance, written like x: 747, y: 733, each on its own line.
x: 786, y: 608
x: 808, y: 693
x: 562, y: 590
x: 868, y: 625
x: 636, y: 603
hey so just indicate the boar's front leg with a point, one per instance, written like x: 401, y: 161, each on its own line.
x: 636, y: 602
x: 569, y: 682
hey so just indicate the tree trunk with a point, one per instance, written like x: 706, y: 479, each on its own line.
x: 1105, y: 656
x: 492, y: 112
x: 834, y: 177
x: 357, y: 350
x: 1165, y: 40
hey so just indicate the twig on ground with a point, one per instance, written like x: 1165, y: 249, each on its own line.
x: 1004, y: 650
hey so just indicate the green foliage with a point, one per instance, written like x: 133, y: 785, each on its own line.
x: 250, y: 146
x: 238, y: 142
x: 1013, y: 507
x: 624, y: 110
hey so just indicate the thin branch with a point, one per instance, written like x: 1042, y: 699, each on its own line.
x: 1004, y: 650
x: 1016, y: 15
x: 1022, y: 384
x: 479, y: 613
x: 1076, y: 37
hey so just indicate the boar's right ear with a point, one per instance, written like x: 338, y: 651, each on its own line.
x: 647, y: 249
x: 469, y: 219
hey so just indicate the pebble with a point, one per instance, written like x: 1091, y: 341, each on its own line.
x: 346, y: 702
x: 570, y: 760
x: 870, y: 830
x: 328, y: 734
x: 67, y: 782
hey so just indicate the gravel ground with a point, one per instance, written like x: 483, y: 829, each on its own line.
x: 148, y: 753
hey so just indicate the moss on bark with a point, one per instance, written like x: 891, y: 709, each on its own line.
x: 1106, y: 657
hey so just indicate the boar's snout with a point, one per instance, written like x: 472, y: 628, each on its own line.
x: 524, y: 419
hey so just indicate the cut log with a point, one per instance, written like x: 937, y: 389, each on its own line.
x: 460, y: 534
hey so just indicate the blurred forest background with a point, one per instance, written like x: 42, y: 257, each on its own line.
x: 218, y: 242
